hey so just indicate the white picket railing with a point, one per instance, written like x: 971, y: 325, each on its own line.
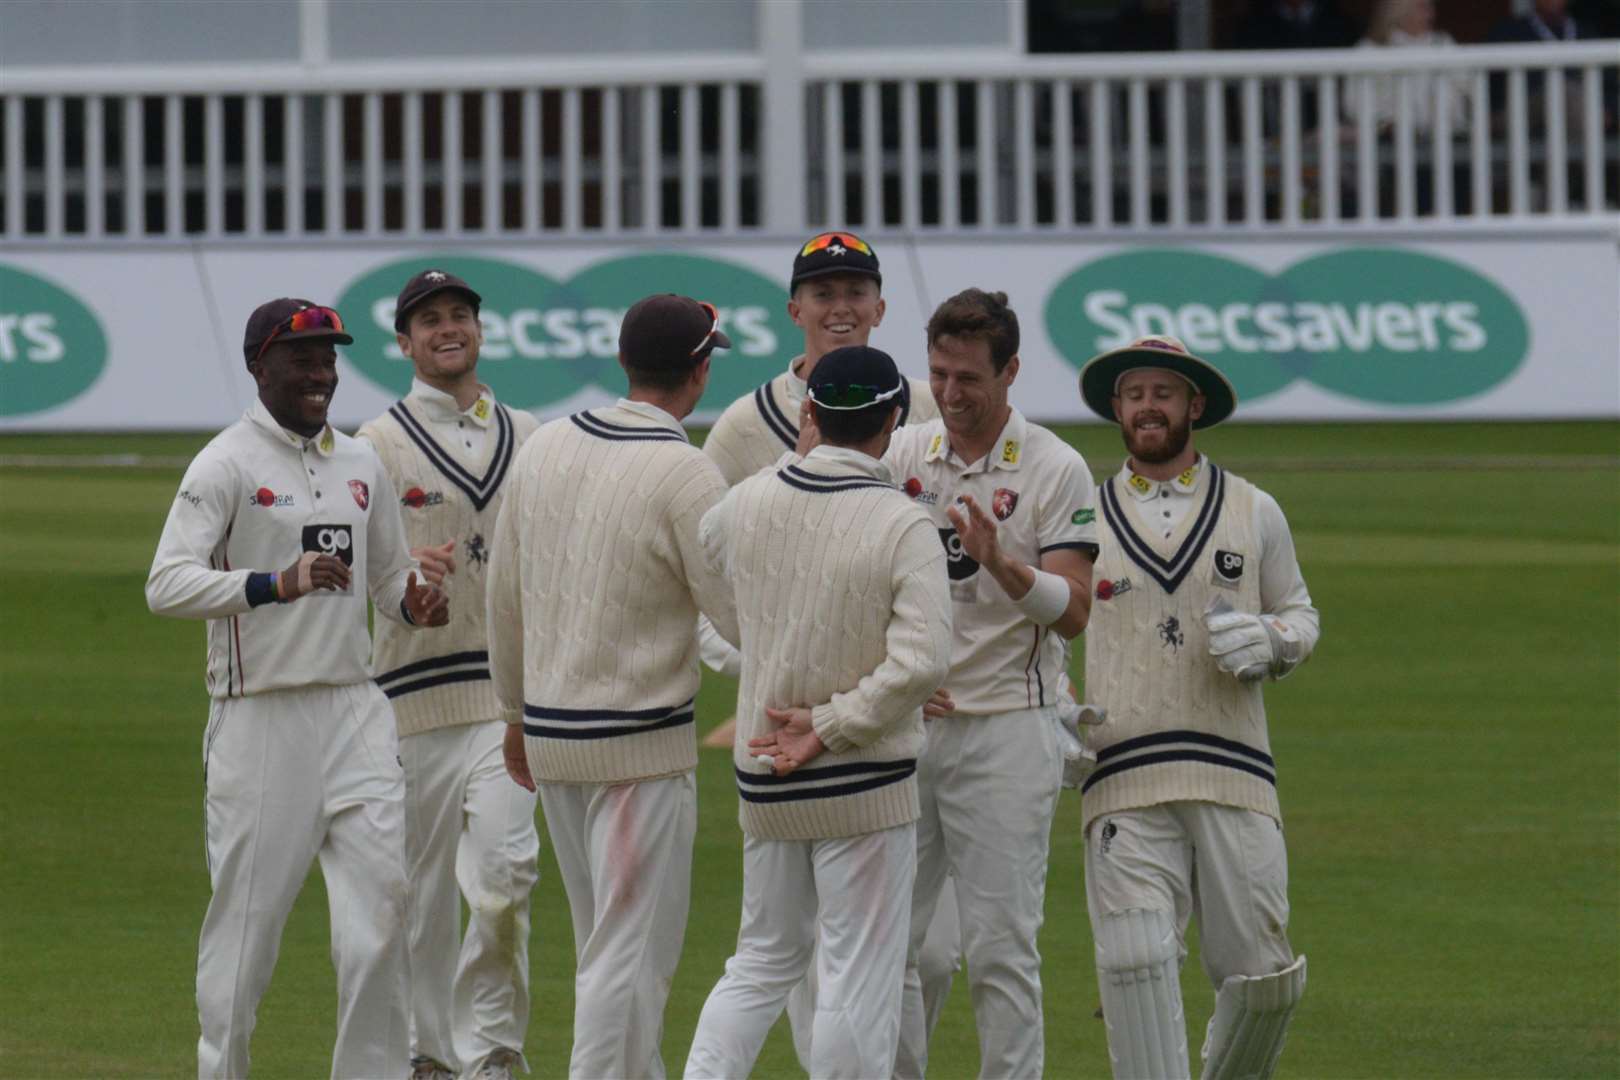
x: 731, y: 144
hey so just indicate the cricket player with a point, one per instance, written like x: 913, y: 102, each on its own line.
x: 448, y: 447
x: 596, y: 580
x: 276, y: 520
x: 835, y: 298
x: 830, y: 725
x: 1199, y: 600
x: 1012, y: 504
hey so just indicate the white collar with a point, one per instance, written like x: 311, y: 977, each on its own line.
x: 651, y: 412
x: 1007, y: 452
x: 797, y: 388
x: 1187, y: 482
x: 442, y: 406
x: 323, y: 442
x: 847, y: 458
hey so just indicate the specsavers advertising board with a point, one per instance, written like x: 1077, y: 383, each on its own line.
x: 1497, y: 327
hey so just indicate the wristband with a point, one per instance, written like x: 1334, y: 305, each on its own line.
x: 260, y: 589
x: 275, y: 583
x: 1046, y: 600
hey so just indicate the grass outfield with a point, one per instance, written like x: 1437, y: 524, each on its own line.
x: 1450, y: 777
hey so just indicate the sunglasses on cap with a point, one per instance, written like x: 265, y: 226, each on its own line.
x: 850, y: 396
x: 826, y: 240
x: 714, y: 327
x: 304, y: 319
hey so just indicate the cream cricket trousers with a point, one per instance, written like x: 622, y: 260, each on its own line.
x: 469, y: 833
x: 291, y: 776
x: 844, y: 904
x: 625, y: 854
x: 989, y: 787
x: 937, y: 965
x: 1225, y: 867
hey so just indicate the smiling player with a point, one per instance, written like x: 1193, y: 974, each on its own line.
x: 300, y: 757
x: 448, y: 446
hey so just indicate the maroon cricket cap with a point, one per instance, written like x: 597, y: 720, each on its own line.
x: 424, y: 285
x: 273, y: 320
x: 665, y: 331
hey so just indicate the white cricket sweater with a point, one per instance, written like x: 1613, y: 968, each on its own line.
x: 758, y: 428
x: 1179, y: 728
x: 595, y: 583
x: 844, y: 607
x: 446, y: 492
x: 252, y: 501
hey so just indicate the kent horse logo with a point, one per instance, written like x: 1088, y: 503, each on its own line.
x: 1170, y: 633
x: 1003, y: 501
x: 361, y: 493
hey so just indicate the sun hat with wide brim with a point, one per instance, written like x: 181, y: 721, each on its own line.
x: 1101, y: 375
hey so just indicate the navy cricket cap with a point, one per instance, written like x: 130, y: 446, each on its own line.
x: 666, y: 332
x: 834, y: 253
x: 424, y: 285
x: 856, y: 377
x: 290, y: 319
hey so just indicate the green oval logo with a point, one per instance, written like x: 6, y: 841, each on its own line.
x: 545, y: 340
x: 1379, y: 324
x: 51, y: 346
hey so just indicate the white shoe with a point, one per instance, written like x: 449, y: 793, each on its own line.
x: 497, y: 1065
x: 425, y: 1068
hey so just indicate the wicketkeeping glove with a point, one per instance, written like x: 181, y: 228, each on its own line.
x: 1250, y: 647
x: 1078, y: 759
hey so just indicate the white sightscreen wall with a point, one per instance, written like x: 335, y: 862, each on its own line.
x: 146, y: 31
x: 869, y: 24
x: 377, y: 29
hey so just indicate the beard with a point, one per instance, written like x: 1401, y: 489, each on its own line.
x: 1176, y: 436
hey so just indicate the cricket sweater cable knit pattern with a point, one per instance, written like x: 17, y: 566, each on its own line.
x: 758, y: 428
x: 1179, y: 728
x: 596, y: 579
x: 844, y: 606
x: 441, y: 680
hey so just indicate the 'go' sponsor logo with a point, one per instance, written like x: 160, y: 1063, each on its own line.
x: 546, y: 340
x: 1383, y: 325
x: 330, y: 540
x: 51, y: 347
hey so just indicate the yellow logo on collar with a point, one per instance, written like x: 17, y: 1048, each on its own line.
x: 933, y: 447
x: 481, y: 410
x: 1187, y: 477
x: 1009, y: 452
x: 326, y: 441
x: 1141, y: 483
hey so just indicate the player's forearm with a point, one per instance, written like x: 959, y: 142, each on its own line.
x: 716, y: 652
x: 1019, y: 580
x: 1013, y: 575
x: 187, y: 591
x: 503, y: 615
x: 918, y: 648
x: 388, y: 595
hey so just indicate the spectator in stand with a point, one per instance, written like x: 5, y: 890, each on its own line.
x: 1407, y: 24
x: 1295, y: 24
x: 1547, y: 20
